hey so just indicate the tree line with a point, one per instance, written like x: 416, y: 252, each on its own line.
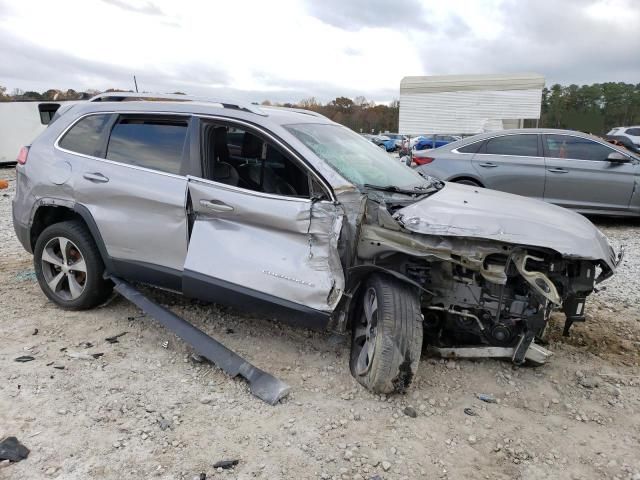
x: 590, y: 108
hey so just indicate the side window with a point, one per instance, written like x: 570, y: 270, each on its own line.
x: 150, y: 142
x: 86, y: 136
x: 472, y: 148
x: 634, y: 132
x: 238, y: 157
x: 518, y: 145
x: 578, y: 148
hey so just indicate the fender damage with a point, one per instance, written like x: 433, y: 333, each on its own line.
x: 491, y: 266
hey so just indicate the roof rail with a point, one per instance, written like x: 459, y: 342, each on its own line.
x: 297, y: 110
x: 124, y: 96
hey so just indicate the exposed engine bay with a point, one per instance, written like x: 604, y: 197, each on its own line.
x: 478, y: 292
x: 468, y: 308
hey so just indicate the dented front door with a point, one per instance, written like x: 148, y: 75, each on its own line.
x: 250, y: 246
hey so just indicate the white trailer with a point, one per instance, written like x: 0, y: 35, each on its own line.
x: 20, y: 123
x: 468, y: 104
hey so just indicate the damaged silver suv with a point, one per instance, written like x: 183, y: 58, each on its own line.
x: 288, y: 213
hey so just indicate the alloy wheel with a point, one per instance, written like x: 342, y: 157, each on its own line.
x: 366, y: 332
x: 64, y: 268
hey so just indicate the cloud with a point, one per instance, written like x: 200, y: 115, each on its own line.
x: 356, y: 14
x: 147, y: 8
x: 286, y: 90
x: 30, y: 66
x: 575, y: 42
x: 320, y: 49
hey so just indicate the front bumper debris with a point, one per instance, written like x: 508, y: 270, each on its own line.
x: 535, y: 353
x: 262, y: 384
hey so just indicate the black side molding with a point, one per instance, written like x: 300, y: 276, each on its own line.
x: 151, y: 274
x: 203, y: 287
x: 262, y: 384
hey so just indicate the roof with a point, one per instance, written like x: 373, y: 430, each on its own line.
x: 197, y: 106
x: 457, y: 83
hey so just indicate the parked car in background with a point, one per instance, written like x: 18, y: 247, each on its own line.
x: 623, y: 141
x: 632, y: 133
x: 567, y: 168
x: 432, y: 141
x: 425, y: 142
x: 397, y: 138
x: 388, y: 144
x: 382, y: 141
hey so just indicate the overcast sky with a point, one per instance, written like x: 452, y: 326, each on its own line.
x: 286, y: 50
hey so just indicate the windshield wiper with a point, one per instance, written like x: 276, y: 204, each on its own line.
x: 419, y: 190
x: 433, y: 181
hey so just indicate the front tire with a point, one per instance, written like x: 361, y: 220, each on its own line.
x: 387, y: 335
x: 69, y: 267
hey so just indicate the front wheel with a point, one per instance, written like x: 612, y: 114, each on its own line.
x: 387, y: 335
x: 69, y: 267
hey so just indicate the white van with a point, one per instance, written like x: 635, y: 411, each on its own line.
x: 20, y: 123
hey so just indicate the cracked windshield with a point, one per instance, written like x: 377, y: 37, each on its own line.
x: 355, y: 158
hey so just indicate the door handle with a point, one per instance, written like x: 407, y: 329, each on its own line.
x: 488, y: 165
x: 557, y: 170
x: 216, y: 206
x: 96, y: 177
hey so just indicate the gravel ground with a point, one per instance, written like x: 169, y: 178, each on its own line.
x: 142, y: 410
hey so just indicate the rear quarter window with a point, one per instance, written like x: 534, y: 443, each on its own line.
x: 86, y: 135
x: 472, y: 148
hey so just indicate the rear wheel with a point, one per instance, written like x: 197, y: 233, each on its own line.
x: 69, y: 267
x: 466, y: 181
x: 387, y: 335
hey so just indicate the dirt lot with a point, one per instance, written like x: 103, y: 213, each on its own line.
x: 142, y: 410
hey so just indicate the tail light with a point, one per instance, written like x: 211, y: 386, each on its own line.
x: 22, y: 155
x: 423, y: 160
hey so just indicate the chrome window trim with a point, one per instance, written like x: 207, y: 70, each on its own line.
x: 325, y: 185
x: 57, y: 146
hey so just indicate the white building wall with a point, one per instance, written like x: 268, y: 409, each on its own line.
x: 467, y: 104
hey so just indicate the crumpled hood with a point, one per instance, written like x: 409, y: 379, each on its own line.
x: 464, y: 211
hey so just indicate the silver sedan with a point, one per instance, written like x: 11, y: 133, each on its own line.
x: 567, y: 168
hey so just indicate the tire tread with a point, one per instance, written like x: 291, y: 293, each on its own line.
x: 400, y: 328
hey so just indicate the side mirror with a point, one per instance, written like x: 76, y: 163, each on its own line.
x: 617, y: 157
x: 406, y: 160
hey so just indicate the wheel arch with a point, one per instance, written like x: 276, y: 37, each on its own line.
x: 50, y: 212
x: 356, y: 278
x: 472, y: 178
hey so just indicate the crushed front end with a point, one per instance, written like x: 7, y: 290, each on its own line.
x: 482, y: 294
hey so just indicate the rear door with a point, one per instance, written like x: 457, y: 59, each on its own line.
x: 512, y: 163
x: 131, y: 180
x: 579, y: 176
x: 257, y: 237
